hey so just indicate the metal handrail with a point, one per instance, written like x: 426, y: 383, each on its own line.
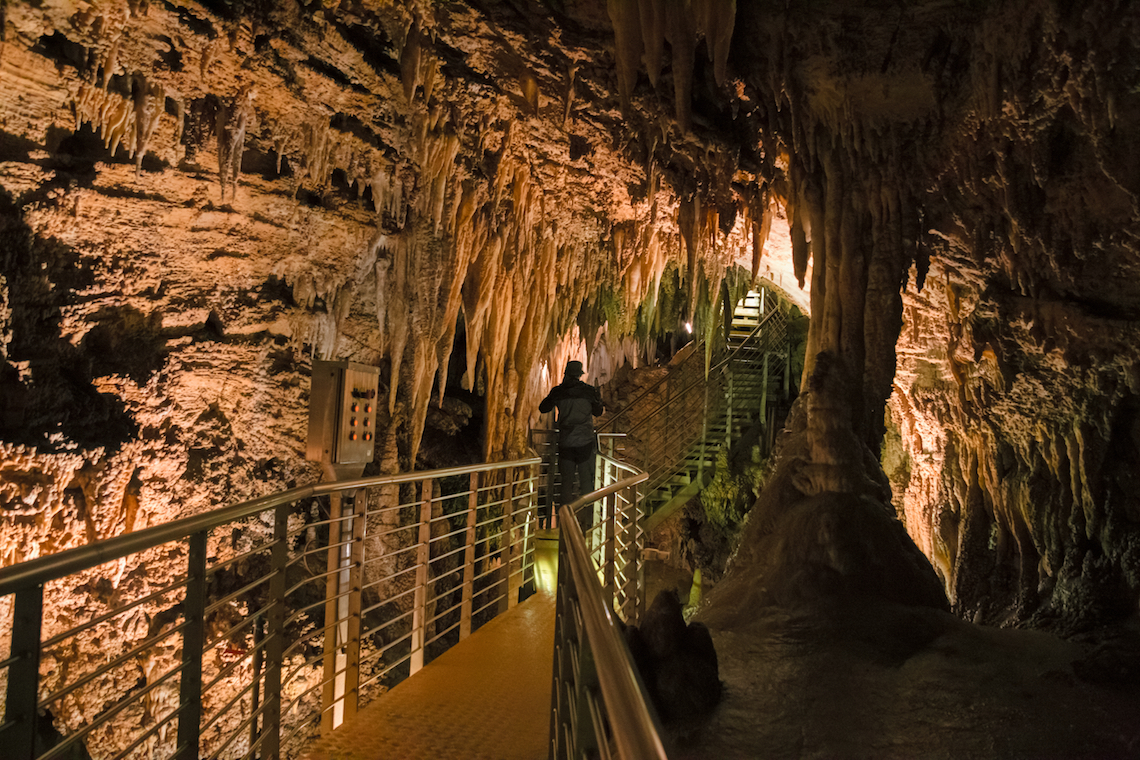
x: 598, y: 701
x: 41, y: 569
x: 288, y: 594
x: 622, y: 688
x: 732, y: 355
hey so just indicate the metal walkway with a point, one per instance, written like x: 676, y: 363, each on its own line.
x: 487, y: 697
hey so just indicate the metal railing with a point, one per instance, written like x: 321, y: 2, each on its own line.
x: 599, y: 706
x: 236, y: 633
x: 544, y: 442
x: 666, y: 421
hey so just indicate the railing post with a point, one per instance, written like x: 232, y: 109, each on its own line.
x: 530, y: 530
x: 639, y: 543
x: 258, y: 666
x: 353, y: 603
x: 609, y: 558
x: 342, y: 612
x: 193, y: 638
x: 24, y: 676
x: 275, y: 634
x: 764, y: 391
x: 787, y: 370
x: 729, y: 398
x: 423, y: 558
x: 508, y: 549
x: 469, y: 559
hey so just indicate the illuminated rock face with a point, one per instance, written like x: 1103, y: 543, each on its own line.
x: 196, y: 201
x: 974, y: 156
x: 1016, y: 391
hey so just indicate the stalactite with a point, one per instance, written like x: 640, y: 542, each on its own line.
x: 232, y: 122
x: 715, y: 19
x: 149, y: 99
x: 624, y: 16
x: 528, y: 88
x: 678, y: 31
x: 763, y: 210
x: 688, y: 212
x: 653, y: 35
x: 410, y: 61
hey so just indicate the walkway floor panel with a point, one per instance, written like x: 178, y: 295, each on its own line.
x: 487, y: 698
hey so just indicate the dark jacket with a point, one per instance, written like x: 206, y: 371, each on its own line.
x: 578, y: 404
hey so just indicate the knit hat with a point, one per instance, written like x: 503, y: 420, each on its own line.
x: 574, y: 369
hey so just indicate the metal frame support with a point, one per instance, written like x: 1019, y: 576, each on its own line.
x: 193, y: 638
x: 423, y: 558
x: 342, y: 612
x: 19, y: 734
x: 275, y: 635
x: 469, y: 559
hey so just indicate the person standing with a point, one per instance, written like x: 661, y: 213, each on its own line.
x: 577, y: 404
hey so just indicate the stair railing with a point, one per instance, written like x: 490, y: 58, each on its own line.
x: 230, y: 644
x: 661, y: 432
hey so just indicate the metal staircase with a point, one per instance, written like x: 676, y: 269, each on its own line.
x: 674, y: 429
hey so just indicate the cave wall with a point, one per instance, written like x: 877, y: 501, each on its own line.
x: 977, y: 155
x: 198, y: 198
x: 1017, y: 377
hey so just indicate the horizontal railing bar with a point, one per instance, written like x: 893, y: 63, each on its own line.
x: 243, y: 590
x: 47, y: 645
x: 439, y: 635
x: 226, y: 707
x: 385, y: 533
x: 234, y: 734
x: 396, y: 619
x: 388, y: 578
x: 44, y: 569
x: 150, y: 732
x: 219, y: 566
x: 107, y: 667
x: 59, y: 749
x: 319, y: 576
x: 233, y: 665
x: 447, y: 611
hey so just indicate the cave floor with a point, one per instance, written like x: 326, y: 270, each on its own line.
x: 892, y: 682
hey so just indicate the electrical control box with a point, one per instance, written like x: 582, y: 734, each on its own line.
x: 342, y: 413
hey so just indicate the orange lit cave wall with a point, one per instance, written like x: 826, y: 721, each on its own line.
x: 962, y: 179
x: 195, y: 202
x: 1017, y: 397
